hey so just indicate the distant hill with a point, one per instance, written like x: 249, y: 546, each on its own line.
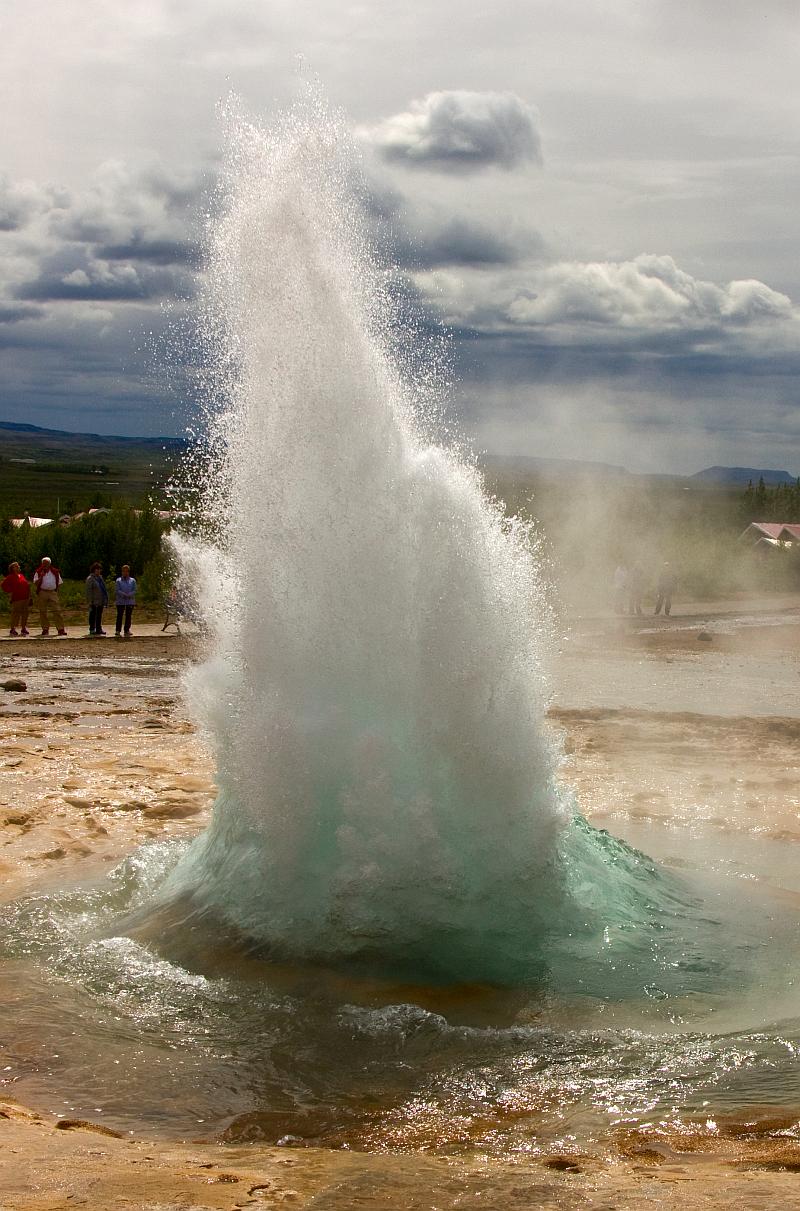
x: 742, y: 475
x: 46, y: 472
x: 8, y: 428
x: 13, y: 428
x: 566, y: 468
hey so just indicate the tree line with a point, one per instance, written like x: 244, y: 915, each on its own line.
x: 780, y: 503
x: 121, y: 535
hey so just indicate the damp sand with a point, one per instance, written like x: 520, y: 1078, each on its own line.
x: 676, y: 731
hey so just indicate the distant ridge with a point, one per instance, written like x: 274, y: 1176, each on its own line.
x: 4, y: 424
x: 710, y: 477
x: 519, y: 463
x: 742, y: 475
x: 37, y: 430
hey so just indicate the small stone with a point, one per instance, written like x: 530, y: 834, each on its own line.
x: 14, y: 686
x: 704, y: 637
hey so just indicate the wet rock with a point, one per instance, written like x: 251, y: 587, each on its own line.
x: 9, y: 1109
x: 80, y: 802
x: 175, y: 810
x: 563, y: 1164
x: 19, y: 818
x: 96, y: 829
x: 80, y: 1124
x: 14, y: 686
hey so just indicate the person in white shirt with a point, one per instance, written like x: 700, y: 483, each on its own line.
x: 46, y: 583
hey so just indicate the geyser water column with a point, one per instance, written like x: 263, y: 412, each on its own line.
x: 376, y: 691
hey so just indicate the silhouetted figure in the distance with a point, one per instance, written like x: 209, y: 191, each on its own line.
x: 635, y: 590
x: 620, y: 589
x: 667, y: 584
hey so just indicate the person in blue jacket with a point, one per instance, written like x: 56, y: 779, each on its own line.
x: 125, y: 600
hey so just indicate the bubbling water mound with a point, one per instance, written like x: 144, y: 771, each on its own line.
x: 380, y: 629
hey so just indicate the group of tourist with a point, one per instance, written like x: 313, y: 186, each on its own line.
x: 630, y: 585
x: 44, y: 588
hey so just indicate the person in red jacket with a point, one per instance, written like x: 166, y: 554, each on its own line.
x: 46, y: 582
x: 19, y: 591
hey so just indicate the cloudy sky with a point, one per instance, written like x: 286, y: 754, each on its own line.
x: 599, y: 199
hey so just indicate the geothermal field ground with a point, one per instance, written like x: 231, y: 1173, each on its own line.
x: 679, y: 736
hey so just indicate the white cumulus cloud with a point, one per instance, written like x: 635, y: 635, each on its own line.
x: 649, y: 292
x: 460, y: 131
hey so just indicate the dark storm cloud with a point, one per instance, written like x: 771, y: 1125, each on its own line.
x: 431, y: 237
x: 71, y: 274
x: 527, y: 356
x: 459, y: 241
x: 155, y: 251
x: 84, y: 277
x: 135, y: 216
x: 150, y: 243
x: 87, y: 365
x: 460, y: 131
x: 10, y: 313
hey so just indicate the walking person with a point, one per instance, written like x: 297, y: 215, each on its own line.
x: 96, y: 598
x: 125, y: 600
x: 19, y: 591
x: 667, y: 584
x: 620, y: 589
x: 46, y: 583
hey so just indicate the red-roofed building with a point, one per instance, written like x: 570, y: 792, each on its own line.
x: 771, y: 534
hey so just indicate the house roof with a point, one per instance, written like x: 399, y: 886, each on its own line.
x: 790, y: 533
x: 33, y: 522
x: 767, y: 529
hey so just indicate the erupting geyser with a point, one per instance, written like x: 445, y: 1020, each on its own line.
x: 376, y: 702
x: 376, y: 697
